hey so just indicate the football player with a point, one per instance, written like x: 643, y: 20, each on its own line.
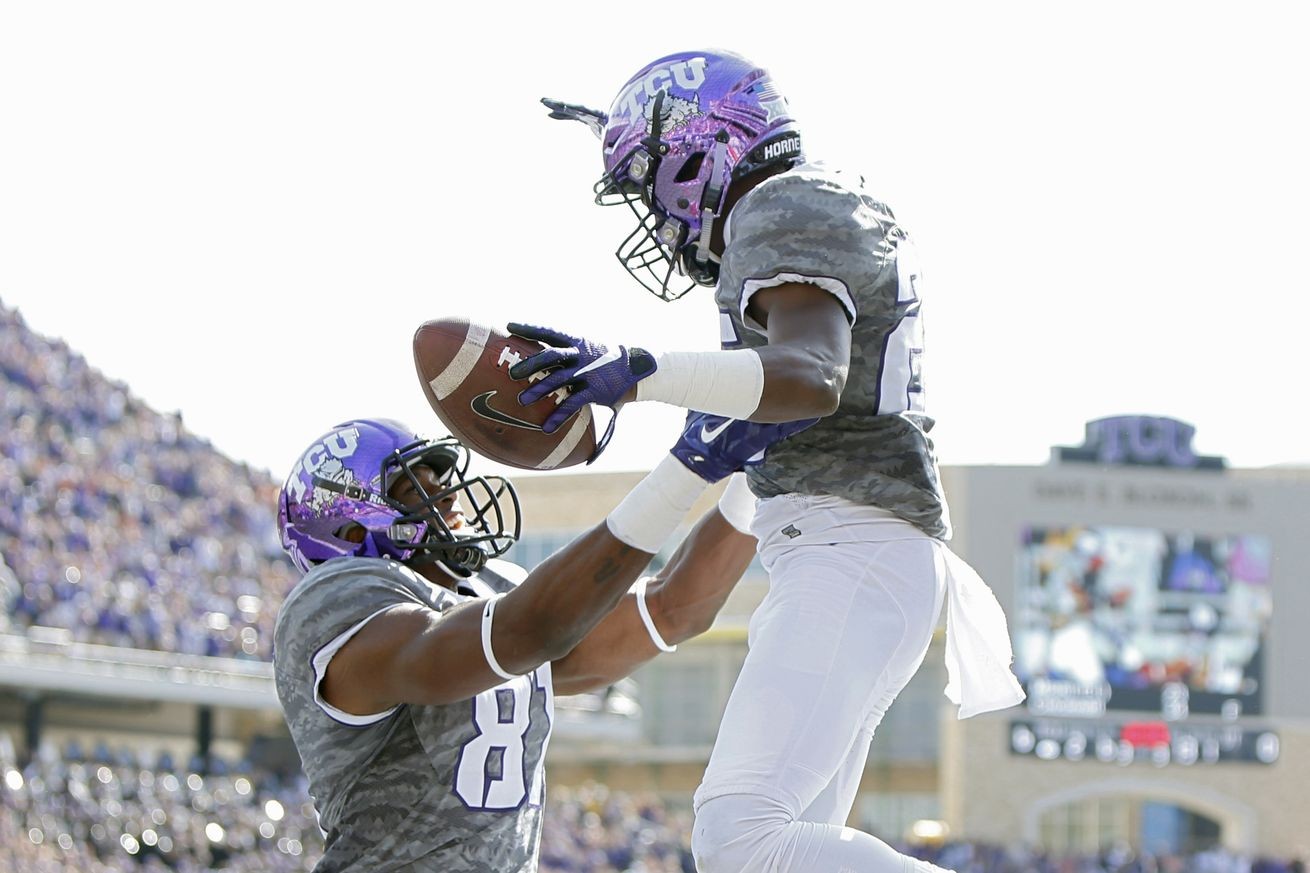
x: 417, y: 669
x: 819, y: 295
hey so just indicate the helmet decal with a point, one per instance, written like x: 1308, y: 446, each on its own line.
x: 675, y: 113
x: 638, y: 95
x: 326, y: 459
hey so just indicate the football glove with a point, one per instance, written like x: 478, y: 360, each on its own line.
x: 593, y: 373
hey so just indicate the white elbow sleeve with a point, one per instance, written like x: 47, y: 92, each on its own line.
x: 722, y: 383
x: 653, y: 509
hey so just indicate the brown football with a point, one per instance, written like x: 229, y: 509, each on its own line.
x: 464, y: 368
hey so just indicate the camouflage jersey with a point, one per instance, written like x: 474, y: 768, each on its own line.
x: 817, y: 226
x: 454, y: 788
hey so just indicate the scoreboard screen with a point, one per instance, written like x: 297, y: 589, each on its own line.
x: 1138, y: 619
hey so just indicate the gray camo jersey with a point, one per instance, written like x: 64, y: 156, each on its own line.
x: 815, y: 225
x: 454, y: 788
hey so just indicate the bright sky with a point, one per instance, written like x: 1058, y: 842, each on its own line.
x: 244, y: 209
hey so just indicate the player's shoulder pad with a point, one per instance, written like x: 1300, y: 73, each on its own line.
x: 348, y: 570
x: 811, y: 194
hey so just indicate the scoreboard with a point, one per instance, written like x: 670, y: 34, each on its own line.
x: 1158, y: 743
x: 1154, y: 598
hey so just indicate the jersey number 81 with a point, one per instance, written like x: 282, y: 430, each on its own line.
x: 491, y: 773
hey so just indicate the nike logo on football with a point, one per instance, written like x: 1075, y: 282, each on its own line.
x: 607, y: 358
x: 709, y: 434
x: 482, y: 406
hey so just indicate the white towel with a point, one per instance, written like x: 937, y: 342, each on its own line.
x: 978, y: 652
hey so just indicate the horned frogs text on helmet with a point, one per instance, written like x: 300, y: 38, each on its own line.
x: 681, y: 131
x: 342, y: 481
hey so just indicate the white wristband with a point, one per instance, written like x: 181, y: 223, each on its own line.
x: 721, y: 383
x: 653, y: 510
x: 642, y: 608
x: 488, y: 612
x: 737, y: 504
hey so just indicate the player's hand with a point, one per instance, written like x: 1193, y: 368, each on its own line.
x: 593, y: 373
x: 714, y: 447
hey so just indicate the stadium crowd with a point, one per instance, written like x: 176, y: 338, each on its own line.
x: 118, y: 525
x: 106, y: 812
x: 109, y: 813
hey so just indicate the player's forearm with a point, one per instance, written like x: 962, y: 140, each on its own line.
x: 692, y: 588
x: 771, y: 384
x: 680, y: 604
x: 564, y: 597
x: 570, y: 592
x: 799, y: 373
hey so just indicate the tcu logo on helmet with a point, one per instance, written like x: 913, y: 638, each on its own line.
x: 687, y: 75
x: 336, y: 448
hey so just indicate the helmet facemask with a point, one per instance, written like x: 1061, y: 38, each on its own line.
x: 661, y: 247
x: 421, y: 533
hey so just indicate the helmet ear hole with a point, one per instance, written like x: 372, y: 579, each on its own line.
x: 691, y: 169
x: 351, y: 532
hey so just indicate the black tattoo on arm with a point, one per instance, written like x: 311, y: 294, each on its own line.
x: 606, y: 571
x: 622, y: 559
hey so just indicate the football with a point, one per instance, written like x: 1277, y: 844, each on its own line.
x: 464, y: 368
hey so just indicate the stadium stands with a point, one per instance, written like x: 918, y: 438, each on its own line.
x: 118, y: 525
x: 114, y: 812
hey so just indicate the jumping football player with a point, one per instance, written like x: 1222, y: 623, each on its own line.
x: 819, y: 296
x: 417, y: 670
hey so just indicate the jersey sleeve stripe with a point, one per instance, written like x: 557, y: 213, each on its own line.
x: 836, y: 287
x: 323, y: 657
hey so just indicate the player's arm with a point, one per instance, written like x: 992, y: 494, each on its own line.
x: 411, y: 653
x: 679, y: 602
x: 800, y: 373
x: 807, y: 357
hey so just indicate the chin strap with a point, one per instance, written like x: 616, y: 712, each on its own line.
x: 710, y: 203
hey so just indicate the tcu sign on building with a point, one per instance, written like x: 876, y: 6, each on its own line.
x: 1139, y: 440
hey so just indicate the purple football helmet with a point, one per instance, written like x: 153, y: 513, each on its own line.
x: 680, y: 132
x: 338, y: 489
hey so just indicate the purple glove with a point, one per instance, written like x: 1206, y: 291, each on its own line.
x: 714, y: 447
x: 593, y: 373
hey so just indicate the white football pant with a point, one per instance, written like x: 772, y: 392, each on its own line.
x: 854, y: 596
